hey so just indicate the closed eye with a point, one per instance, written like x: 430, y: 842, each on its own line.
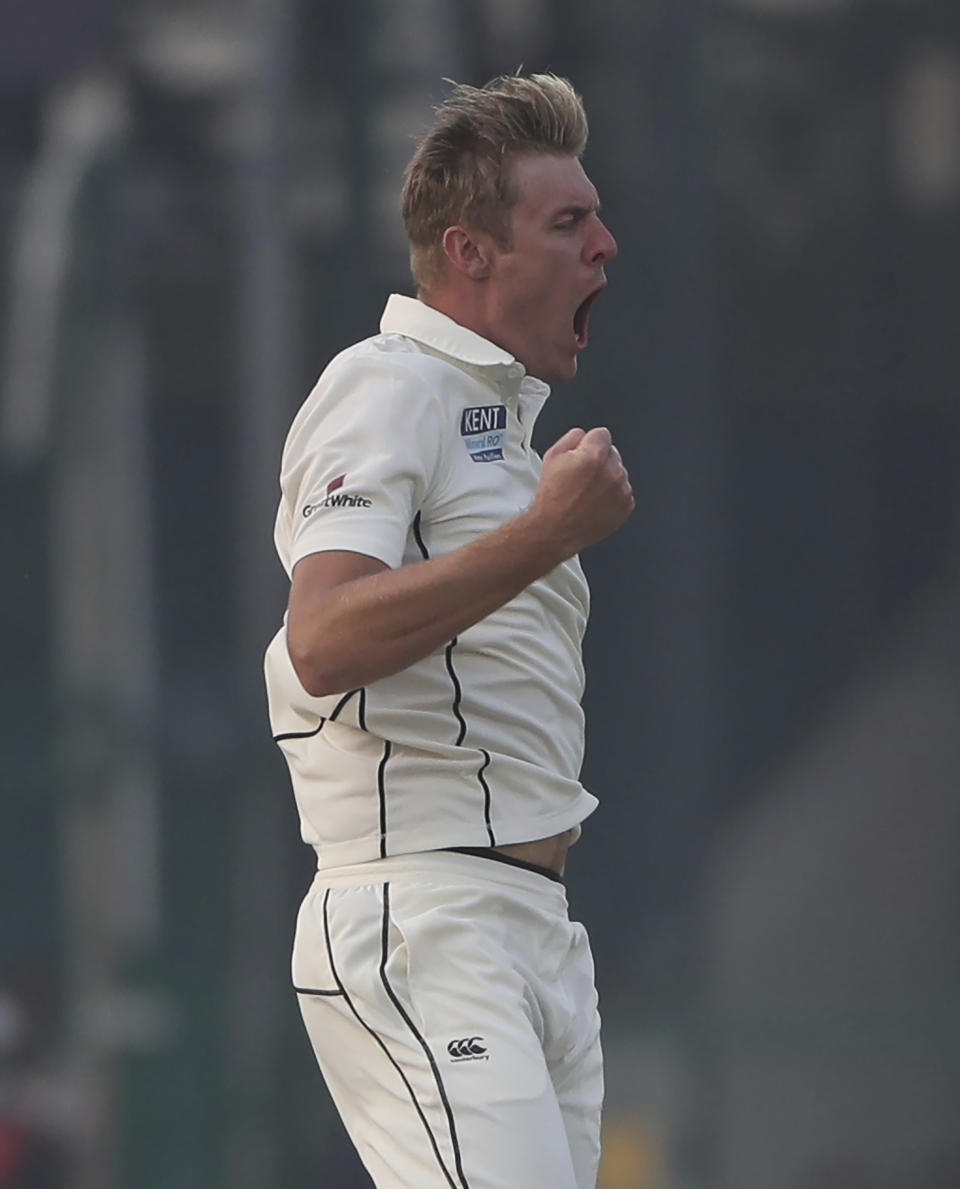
x: 572, y: 216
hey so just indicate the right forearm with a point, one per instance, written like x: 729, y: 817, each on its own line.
x: 376, y: 625
x: 352, y: 621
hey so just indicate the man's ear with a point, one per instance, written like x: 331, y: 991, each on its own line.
x: 469, y: 252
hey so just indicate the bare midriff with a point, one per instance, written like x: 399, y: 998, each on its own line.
x: 543, y: 852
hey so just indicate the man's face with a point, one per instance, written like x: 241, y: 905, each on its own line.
x: 541, y: 288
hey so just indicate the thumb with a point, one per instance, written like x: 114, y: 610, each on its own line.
x: 600, y: 436
x: 570, y: 440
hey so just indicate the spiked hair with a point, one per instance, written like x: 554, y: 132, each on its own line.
x: 459, y: 173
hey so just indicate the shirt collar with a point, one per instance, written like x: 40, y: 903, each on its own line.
x: 439, y: 333
x: 413, y: 318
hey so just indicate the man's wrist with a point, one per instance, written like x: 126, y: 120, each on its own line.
x: 543, y: 539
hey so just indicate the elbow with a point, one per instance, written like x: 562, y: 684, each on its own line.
x: 314, y: 672
x: 315, y: 683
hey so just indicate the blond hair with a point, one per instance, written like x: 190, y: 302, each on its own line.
x: 459, y: 173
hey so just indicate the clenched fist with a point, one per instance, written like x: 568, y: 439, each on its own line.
x: 584, y: 491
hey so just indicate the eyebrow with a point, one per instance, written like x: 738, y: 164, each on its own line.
x: 578, y: 209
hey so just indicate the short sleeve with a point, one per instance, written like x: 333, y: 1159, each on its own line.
x: 361, y: 457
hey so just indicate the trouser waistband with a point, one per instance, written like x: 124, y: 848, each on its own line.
x: 490, y: 852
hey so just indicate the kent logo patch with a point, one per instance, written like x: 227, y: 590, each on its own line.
x: 483, y: 429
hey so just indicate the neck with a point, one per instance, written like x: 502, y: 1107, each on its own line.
x: 466, y: 309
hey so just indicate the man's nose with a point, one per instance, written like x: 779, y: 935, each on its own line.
x: 604, y: 247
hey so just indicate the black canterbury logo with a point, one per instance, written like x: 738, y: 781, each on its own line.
x: 468, y: 1048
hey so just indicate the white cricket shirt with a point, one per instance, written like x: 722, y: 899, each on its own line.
x: 412, y: 443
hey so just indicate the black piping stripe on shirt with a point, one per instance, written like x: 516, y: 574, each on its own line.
x: 382, y: 791
x: 360, y: 1020
x: 458, y: 695
x: 340, y: 705
x: 333, y: 718
x: 385, y: 930
x: 417, y: 536
x: 486, y: 795
x: 316, y: 991
x: 300, y: 734
x: 457, y: 691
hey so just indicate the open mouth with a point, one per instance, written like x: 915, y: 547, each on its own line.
x: 581, y: 319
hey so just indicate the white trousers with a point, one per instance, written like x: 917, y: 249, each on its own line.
x: 451, y: 1005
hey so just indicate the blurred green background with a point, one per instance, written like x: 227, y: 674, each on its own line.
x: 198, y: 207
